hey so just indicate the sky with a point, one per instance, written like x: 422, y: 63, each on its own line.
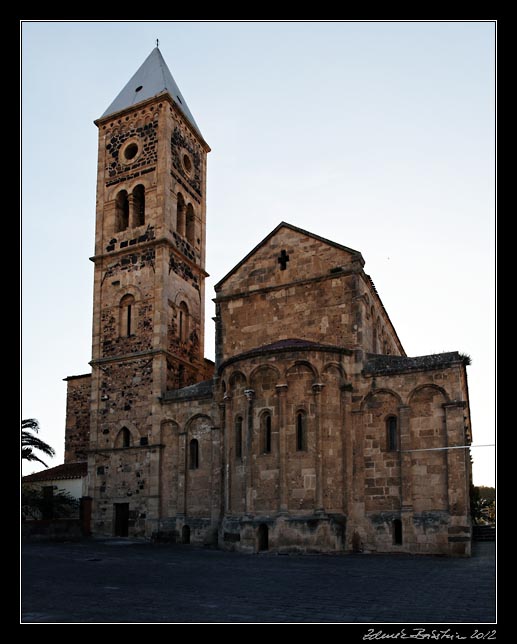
x: 377, y: 135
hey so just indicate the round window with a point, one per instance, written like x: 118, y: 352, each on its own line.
x: 187, y: 163
x: 131, y: 151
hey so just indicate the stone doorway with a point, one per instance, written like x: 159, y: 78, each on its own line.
x: 121, y: 519
x: 263, y: 537
x: 185, y: 534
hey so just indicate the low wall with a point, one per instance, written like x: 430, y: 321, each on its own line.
x: 52, y: 530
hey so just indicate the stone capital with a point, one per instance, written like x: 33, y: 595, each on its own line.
x: 250, y: 394
x: 317, y: 387
x: 281, y: 389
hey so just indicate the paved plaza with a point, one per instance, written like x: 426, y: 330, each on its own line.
x: 128, y: 581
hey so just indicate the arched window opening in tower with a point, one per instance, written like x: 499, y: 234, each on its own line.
x: 123, y: 438
x: 183, y: 322
x: 121, y: 211
x: 138, y: 205
x: 191, y: 225
x: 181, y: 213
x: 127, y: 312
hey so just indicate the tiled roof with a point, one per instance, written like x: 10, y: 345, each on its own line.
x: 200, y: 390
x: 151, y: 79
x: 380, y: 364
x: 282, y: 346
x: 64, y: 471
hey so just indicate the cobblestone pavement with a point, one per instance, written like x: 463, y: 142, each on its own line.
x: 126, y: 581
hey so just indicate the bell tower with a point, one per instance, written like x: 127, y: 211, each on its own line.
x: 148, y: 321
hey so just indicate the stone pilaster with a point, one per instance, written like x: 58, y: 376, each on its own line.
x: 182, y: 473
x: 281, y: 391
x: 320, y: 481
x: 248, y: 452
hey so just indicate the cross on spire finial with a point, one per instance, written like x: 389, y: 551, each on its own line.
x: 283, y: 259
x: 157, y: 42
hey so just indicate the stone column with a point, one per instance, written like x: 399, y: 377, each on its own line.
x: 248, y: 452
x: 320, y: 481
x: 217, y: 474
x: 457, y: 479
x: 281, y: 391
x: 345, y: 437
x: 406, y: 500
x: 227, y: 417
x: 131, y: 218
x: 182, y: 473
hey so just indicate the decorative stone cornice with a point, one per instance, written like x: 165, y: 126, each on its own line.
x: 455, y: 403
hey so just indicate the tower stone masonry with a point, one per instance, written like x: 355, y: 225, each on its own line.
x: 312, y: 432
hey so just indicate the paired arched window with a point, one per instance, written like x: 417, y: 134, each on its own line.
x: 185, y: 219
x: 181, y: 214
x: 392, y: 433
x: 238, y: 437
x: 191, y: 225
x: 183, y: 322
x: 301, y: 431
x: 121, y: 211
x: 127, y: 315
x: 139, y: 205
x: 193, y: 462
x: 122, y: 208
x: 266, y: 433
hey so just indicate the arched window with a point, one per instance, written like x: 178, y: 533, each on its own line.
x: 121, y: 211
x: 266, y: 433
x: 397, y: 532
x: 123, y: 438
x: 193, y: 454
x: 301, y: 432
x: 181, y: 215
x: 126, y: 437
x: 191, y: 225
x: 183, y: 322
x: 138, y: 205
x: 392, y: 433
x: 127, y: 314
x: 238, y: 437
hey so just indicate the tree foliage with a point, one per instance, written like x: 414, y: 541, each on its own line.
x: 30, y: 442
x: 482, y: 504
x: 36, y: 505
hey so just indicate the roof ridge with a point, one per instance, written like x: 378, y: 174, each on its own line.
x: 151, y: 79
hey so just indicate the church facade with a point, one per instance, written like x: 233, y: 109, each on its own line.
x: 313, y: 431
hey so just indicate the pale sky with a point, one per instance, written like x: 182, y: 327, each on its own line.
x: 377, y: 135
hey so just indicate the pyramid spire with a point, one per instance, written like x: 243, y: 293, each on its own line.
x: 152, y: 78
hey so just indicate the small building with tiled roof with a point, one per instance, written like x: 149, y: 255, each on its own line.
x: 70, y: 477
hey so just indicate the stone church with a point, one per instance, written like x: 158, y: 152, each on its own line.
x: 313, y: 431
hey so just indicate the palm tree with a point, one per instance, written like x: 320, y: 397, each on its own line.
x: 31, y: 442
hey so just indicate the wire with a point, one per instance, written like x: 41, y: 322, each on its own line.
x: 435, y: 449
